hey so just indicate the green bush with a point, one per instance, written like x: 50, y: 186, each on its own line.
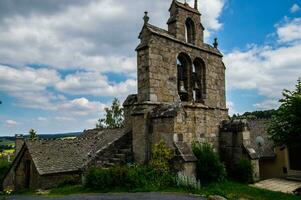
x: 68, y: 182
x: 161, y: 156
x: 99, y: 178
x: 243, y: 171
x: 209, y: 168
x: 133, y: 177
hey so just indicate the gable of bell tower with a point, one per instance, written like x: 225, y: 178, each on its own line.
x: 185, y: 24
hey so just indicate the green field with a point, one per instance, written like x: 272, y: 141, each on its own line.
x: 7, y: 142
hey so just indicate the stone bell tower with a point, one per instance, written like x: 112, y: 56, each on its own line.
x: 185, y: 23
x: 181, y: 86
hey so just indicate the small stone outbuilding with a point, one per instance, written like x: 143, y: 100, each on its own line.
x: 249, y: 139
x: 48, y: 163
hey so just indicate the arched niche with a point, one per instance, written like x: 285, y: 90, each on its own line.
x: 189, y: 31
x: 198, y: 80
x: 183, y: 66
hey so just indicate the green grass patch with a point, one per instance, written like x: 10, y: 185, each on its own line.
x: 79, y: 189
x: 230, y: 190
x: 233, y: 191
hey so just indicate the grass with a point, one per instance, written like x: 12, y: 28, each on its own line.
x: 230, y: 190
x: 7, y: 143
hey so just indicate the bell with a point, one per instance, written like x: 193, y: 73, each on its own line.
x: 182, y: 87
x: 196, y: 86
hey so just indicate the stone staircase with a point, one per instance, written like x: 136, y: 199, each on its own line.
x: 121, y: 157
x: 117, y: 152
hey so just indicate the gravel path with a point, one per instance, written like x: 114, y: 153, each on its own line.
x: 123, y: 196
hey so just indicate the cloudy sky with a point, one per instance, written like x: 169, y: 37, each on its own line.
x: 62, y: 61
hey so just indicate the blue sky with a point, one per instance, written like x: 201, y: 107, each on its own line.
x: 62, y: 62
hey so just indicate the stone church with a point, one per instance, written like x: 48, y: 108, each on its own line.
x: 181, y: 86
x: 180, y: 100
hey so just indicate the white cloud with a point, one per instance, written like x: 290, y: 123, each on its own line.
x: 96, y: 84
x: 211, y: 11
x: 42, y: 119
x: 231, y: 107
x: 92, y: 122
x: 267, y: 104
x: 289, y: 31
x: 267, y: 69
x: 295, y: 8
x: 10, y: 122
x: 102, y: 39
x: 62, y: 118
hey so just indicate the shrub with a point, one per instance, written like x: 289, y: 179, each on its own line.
x: 68, y: 182
x: 133, y: 177
x: 243, y: 171
x: 209, y: 168
x: 161, y: 156
x: 99, y: 178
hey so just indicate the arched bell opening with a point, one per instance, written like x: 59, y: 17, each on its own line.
x: 183, y: 66
x: 198, y: 80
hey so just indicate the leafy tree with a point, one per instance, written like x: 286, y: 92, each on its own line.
x: 114, y: 116
x: 285, y: 127
x: 33, y: 134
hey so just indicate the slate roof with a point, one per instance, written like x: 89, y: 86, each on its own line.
x: 60, y: 156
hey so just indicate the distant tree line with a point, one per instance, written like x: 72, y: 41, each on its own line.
x: 265, y: 114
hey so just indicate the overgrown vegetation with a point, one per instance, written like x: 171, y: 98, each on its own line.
x: 209, y: 168
x: 242, y: 171
x: 114, y: 117
x: 285, y: 127
x: 161, y: 157
x: 155, y: 176
x: 133, y: 177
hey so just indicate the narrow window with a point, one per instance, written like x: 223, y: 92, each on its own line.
x: 189, y: 31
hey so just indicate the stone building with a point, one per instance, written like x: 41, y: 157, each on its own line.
x: 181, y: 87
x: 249, y: 139
x: 48, y: 163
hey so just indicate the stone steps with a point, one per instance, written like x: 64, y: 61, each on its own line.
x: 125, y: 151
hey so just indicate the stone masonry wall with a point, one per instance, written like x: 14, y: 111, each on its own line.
x: 195, y: 123
x: 161, y: 74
